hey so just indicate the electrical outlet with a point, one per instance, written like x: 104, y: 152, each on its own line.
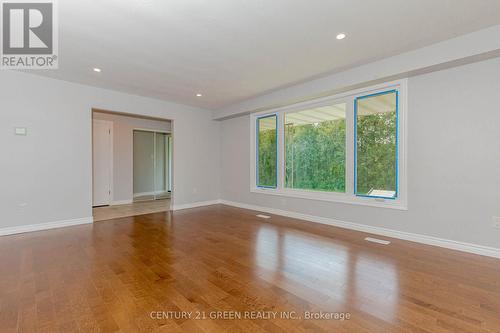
x: 496, y: 222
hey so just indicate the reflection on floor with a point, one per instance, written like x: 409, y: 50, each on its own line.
x: 242, y: 274
x: 133, y: 209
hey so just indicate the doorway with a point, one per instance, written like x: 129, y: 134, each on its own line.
x: 152, y: 155
x: 132, y: 168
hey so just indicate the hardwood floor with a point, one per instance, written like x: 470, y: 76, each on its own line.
x: 221, y: 261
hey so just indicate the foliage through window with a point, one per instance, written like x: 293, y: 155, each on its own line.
x: 315, y: 149
x: 267, y: 151
x: 376, y: 145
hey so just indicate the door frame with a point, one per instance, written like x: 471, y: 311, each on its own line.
x: 130, y: 114
x: 111, y: 166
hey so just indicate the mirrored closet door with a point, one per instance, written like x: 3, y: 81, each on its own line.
x: 152, y: 165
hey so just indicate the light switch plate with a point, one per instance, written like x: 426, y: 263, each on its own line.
x: 21, y: 131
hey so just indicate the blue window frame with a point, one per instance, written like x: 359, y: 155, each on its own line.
x: 376, y: 145
x: 267, y: 151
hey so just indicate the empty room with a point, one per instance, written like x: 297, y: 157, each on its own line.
x: 250, y: 166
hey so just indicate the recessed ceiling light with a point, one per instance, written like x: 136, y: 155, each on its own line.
x: 199, y: 95
x: 98, y: 70
x: 341, y: 36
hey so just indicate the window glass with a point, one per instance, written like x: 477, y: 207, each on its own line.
x: 376, y: 145
x: 315, y: 148
x: 267, y: 151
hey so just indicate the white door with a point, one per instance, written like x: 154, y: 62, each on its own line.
x: 102, y: 153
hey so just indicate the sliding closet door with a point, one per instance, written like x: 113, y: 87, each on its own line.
x: 161, y: 166
x: 144, y: 165
x: 169, y: 162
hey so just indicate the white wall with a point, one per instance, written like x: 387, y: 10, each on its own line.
x: 46, y: 175
x: 453, y: 161
x: 123, y: 127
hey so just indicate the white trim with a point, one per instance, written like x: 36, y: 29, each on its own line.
x: 140, y: 194
x: 135, y: 195
x: 418, y: 238
x: 45, y: 226
x: 331, y: 197
x: 121, y: 202
x: 173, y: 160
x: 348, y: 197
x: 195, y: 204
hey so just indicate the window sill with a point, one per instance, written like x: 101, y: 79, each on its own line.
x: 333, y: 197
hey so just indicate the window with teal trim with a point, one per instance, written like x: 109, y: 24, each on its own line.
x: 376, y: 145
x: 267, y: 151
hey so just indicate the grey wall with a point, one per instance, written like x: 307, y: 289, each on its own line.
x: 123, y: 127
x: 453, y: 161
x: 46, y: 175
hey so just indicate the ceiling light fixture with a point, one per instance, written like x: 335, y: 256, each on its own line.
x: 199, y: 95
x: 341, y: 36
x: 97, y: 70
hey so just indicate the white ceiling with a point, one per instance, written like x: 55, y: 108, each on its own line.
x: 231, y: 50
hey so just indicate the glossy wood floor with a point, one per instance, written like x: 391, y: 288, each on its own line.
x: 110, y: 277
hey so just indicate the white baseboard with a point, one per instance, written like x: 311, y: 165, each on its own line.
x: 418, y: 238
x: 196, y: 204
x: 141, y: 194
x: 44, y: 226
x: 121, y: 202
